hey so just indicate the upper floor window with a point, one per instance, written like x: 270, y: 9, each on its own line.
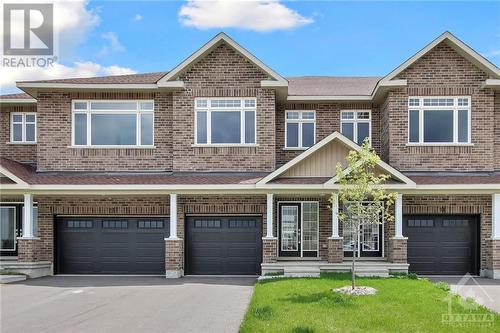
x: 23, y: 127
x: 113, y: 123
x: 300, y: 129
x: 356, y: 125
x: 225, y: 121
x: 439, y: 120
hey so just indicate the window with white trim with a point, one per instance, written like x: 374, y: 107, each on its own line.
x: 356, y: 125
x: 300, y: 129
x: 98, y: 123
x: 225, y: 121
x: 439, y: 120
x: 23, y: 127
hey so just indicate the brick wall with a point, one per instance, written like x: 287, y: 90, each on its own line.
x: 25, y: 153
x: 49, y: 207
x: 223, y: 73
x: 441, y: 72
x: 327, y: 122
x: 54, y: 127
x: 457, y: 204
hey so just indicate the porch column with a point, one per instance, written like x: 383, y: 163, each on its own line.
x: 495, y: 216
x: 28, y: 227
x: 335, y: 216
x: 494, y: 270
x: 335, y: 242
x: 269, y: 215
x: 27, y: 244
x: 269, y: 243
x: 174, y: 246
x: 397, y: 251
x: 398, y: 216
x: 173, y: 216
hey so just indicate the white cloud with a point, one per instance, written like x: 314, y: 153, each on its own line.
x: 137, y: 18
x: 79, y: 69
x: 258, y: 15
x: 113, y: 44
x: 491, y: 54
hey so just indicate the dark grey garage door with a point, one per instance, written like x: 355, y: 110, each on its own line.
x: 442, y: 244
x: 111, y: 245
x: 223, y: 245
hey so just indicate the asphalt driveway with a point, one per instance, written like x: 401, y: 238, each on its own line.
x: 124, y: 304
x: 484, y: 291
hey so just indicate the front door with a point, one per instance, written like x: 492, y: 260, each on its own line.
x: 290, y: 230
x: 298, y: 229
x: 369, y: 241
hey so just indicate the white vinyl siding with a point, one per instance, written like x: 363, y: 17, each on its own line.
x: 439, y: 120
x: 99, y: 123
x: 225, y: 121
x: 23, y: 127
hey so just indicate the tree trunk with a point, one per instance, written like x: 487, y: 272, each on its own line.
x: 353, y: 268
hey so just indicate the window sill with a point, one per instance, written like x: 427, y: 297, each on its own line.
x: 296, y: 148
x: 439, y: 144
x: 112, y: 147
x: 21, y: 143
x: 199, y: 145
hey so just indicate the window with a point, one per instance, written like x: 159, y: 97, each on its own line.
x: 300, y: 129
x: 79, y: 224
x: 439, y: 120
x: 356, y: 125
x: 148, y: 224
x: 421, y: 223
x: 207, y: 223
x: 7, y: 228
x: 242, y: 224
x: 225, y: 121
x: 115, y: 224
x: 23, y: 127
x: 113, y: 123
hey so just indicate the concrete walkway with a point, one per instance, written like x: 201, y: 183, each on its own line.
x: 484, y: 291
x: 124, y: 304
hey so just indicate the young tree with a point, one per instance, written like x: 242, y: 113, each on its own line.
x: 363, y: 199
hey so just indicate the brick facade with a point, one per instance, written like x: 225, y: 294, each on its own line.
x: 25, y: 153
x: 27, y: 249
x: 441, y: 72
x: 335, y: 250
x: 269, y: 250
x: 327, y: 122
x: 223, y: 73
x: 397, y: 251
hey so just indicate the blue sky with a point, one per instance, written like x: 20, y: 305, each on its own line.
x: 294, y: 38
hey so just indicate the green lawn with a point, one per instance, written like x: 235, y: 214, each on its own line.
x: 400, y: 305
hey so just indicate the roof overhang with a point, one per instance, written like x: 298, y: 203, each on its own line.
x: 17, y: 101
x: 32, y: 88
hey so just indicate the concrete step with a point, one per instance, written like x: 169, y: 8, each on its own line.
x: 11, y: 278
x: 301, y: 271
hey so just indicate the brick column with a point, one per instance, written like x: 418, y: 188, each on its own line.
x: 335, y: 249
x: 27, y: 249
x: 174, y: 258
x: 269, y: 250
x: 397, y: 250
x: 495, y: 260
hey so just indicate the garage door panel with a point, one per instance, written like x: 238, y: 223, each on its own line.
x: 442, y: 244
x: 223, y: 245
x: 111, y: 246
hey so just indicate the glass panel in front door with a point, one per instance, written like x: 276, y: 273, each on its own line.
x: 7, y: 228
x: 289, y: 228
x: 370, y: 237
x: 310, y: 226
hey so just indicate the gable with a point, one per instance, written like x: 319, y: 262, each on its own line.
x: 444, y: 66
x: 321, y: 163
x: 270, y: 78
x: 223, y: 67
